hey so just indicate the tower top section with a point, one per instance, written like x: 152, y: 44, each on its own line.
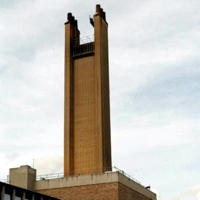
x: 71, y: 20
x: 99, y: 12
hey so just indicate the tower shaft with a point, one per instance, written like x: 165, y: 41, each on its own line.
x: 87, y: 142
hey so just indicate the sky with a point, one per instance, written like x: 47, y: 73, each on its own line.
x: 154, y: 67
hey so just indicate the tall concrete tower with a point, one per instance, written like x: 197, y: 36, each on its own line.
x: 87, y: 140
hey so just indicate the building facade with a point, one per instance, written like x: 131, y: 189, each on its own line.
x: 11, y: 192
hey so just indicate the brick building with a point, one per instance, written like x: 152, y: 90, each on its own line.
x: 108, y: 186
x: 88, y: 171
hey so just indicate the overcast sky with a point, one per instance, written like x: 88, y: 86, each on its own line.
x: 154, y: 48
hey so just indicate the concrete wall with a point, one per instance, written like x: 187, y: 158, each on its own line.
x: 23, y: 176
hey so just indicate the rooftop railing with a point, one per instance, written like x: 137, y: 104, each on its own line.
x: 83, y: 40
x: 83, y: 46
x: 61, y: 175
x: 5, y: 180
x: 49, y: 176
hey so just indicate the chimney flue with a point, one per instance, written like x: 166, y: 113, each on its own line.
x: 69, y: 16
x: 104, y: 16
x: 98, y: 8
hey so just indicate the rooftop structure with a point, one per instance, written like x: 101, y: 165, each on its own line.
x: 8, y: 192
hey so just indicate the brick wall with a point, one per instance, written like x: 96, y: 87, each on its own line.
x: 126, y: 193
x: 107, y: 191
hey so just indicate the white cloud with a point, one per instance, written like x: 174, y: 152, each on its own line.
x: 49, y: 164
x: 154, y: 73
x: 192, y: 193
